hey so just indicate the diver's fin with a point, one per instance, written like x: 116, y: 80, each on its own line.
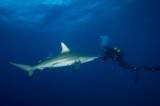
x: 76, y: 65
x: 27, y: 68
x: 137, y: 76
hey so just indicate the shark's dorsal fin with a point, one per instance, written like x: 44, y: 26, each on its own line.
x: 64, y: 48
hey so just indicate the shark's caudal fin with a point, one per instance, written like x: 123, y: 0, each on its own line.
x: 27, y: 68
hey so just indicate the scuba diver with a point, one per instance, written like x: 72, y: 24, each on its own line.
x: 117, y: 55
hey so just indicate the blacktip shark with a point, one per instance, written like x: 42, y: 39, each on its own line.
x: 65, y: 58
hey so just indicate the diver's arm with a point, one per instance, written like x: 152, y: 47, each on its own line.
x: 152, y: 68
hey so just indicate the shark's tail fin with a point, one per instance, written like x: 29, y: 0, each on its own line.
x: 27, y: 68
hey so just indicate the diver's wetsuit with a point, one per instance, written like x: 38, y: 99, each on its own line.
x: 116, y: 55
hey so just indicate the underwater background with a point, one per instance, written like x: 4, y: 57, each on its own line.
x: 32, y: 29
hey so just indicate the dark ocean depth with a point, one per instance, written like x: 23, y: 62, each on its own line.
x: 30, y: 30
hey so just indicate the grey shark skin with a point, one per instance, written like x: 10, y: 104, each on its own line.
x: 65, y: 58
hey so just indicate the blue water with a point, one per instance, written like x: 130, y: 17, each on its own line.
x: 32, y: 29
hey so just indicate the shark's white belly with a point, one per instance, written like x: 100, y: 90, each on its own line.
x: 62, y: 64
x: 58, y: 63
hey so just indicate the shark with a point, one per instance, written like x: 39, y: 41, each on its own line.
x: 65, y: 58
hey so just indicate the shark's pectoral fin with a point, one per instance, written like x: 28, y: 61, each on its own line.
x: 30, y: 74
x: 76, y: 65
x: 51, y: 67
x: 41, y: 69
